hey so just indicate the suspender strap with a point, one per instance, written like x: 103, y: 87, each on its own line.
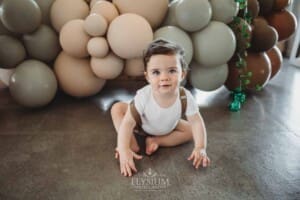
x: 136, y: 116
x: 183, y: 101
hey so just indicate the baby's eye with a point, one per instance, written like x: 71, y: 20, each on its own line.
x: 172, y: 71
x: 155, y: 72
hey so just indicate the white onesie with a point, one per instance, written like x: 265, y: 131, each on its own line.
x: 157, y: 120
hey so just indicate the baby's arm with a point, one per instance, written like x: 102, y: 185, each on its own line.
x: 126, y: 155
x: 199, y: 134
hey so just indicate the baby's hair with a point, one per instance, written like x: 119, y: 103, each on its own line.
x: 162, y: 46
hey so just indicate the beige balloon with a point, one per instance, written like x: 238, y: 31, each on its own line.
x: 75, y: 76
x: 63, y: 11
x: 153, y: 10
x: 108, y: 67
x: 95, y: 25
x: 98, y: 47
x: 74, y: 39
x: 134, y: 67
x: 129, y: 35
x: 93, y: 2
x: 106, y: 9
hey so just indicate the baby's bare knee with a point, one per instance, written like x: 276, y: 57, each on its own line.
x: 119, y: 107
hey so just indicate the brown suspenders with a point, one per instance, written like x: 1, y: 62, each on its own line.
x: 136, y: 116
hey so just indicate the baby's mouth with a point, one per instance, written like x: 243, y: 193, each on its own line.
x: 165, y: 85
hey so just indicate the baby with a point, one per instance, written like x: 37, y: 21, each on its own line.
x: 157, y: 110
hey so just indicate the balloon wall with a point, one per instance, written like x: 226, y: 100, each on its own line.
x: 76, y: 45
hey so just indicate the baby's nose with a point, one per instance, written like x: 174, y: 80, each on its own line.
x: 164, y: 78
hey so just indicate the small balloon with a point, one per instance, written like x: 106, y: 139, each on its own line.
x: 276, y: 60
x: 284, y: 22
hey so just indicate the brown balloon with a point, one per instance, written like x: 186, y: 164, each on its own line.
x: 264, y: 37
x: 253, y: 8
x: 280, y: 4
x: 284, y: 22
x: 233, y: 81
x: 265, y: 6
x: 258, y: 64
x: 275, y: 57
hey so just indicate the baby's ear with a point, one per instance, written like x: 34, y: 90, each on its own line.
x: 146, y: 76
x: 183, y: 75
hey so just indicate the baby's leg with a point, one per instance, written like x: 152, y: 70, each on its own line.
x: 118, y: 111
x: 181, y: 134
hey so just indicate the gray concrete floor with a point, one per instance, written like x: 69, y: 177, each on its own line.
x: 65, y: 150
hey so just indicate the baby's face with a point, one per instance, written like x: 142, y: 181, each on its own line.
x: 164, y: 73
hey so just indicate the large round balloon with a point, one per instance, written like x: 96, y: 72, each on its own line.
x: 208, y: 78
x: 3, y: 29
x: 125, y: 39
x: 134, y: 67
x: 214, y: 45
x: 280, y: 4
x: 224, y: 10
x: 108, y: 67
x: 264, y: 37
x: 12, y: 51
x: 275, y: 57
x: 21, y: 16
x: 153, y: 11
x: 193, y: 15
x: 75, y: 76
x: 284, y: 22
x: 45, y: 6
x: 33, y: 84
x: 177, y: 36
x: 63, y: 11
x: 42, y: 44
x: 74, y: 39
x: 258, y: 64
x: 265, y: 6
x: 240, y: 27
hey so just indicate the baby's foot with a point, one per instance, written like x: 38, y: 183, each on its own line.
x: 151, y: 145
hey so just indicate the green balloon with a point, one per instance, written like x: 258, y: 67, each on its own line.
x: 43, y: 44
x: 12, y: 51
x: 208, y: 78
x: 177, y: 36
x: 33, y: 84
x: 45, y: 6
x: 3, y: 30
x: 21, y: 16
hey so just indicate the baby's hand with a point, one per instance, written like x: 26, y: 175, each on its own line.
x: 199, y: 157
x: 126, y: 161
